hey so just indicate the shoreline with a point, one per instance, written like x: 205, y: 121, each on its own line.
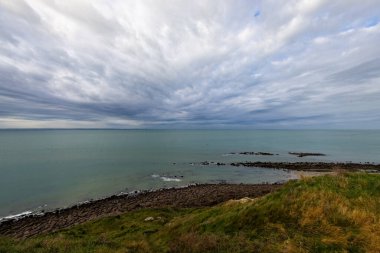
x: 192, y: 196
x: 31, y: 223
x: 35, y: 212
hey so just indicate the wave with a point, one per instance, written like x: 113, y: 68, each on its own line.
x: 167, y: 178
x: 16, y: 216
x: 170, y: 179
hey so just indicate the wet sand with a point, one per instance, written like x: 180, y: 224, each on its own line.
x: 191, y: 196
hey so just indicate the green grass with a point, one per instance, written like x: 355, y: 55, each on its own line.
x: 321, y: 214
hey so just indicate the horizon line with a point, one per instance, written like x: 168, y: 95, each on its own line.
x: 291, y: 129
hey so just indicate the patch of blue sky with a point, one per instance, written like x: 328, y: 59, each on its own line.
x: 373, y: 21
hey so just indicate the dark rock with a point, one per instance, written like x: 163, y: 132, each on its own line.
x: 255, y: 153
x: 264, y: 153
x: 311, y: 166
x: 301, y: 154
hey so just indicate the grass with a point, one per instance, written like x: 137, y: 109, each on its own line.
x: 321, y: 214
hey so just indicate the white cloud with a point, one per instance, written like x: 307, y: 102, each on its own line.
x: 149, y: 63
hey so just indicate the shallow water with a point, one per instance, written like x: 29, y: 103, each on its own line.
x: 46, y: 169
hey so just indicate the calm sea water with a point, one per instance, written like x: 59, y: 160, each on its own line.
x: 46, y: 169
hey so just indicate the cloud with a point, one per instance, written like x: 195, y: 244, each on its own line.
x: 129, y: 64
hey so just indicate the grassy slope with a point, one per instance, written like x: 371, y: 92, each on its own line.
x: 322, y: 214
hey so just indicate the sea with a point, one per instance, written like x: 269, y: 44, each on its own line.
x: 43, y: 170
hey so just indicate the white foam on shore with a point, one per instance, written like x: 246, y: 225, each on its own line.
x: 170, y: 179
x: 16, y: 216
x: 166, y: 178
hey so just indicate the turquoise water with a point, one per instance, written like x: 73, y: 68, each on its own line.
x: 46, y: 169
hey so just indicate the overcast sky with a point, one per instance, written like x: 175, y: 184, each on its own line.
x: 189, y: 64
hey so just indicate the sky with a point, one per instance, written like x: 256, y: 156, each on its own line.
x: 190, y: 64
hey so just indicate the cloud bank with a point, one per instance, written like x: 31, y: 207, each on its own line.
x: 189, y: 64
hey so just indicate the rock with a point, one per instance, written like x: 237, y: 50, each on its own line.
x: 150, y: 218
x: 150, y: 231
x: 255, y: 153
x: 301, y: 154
x: 310, y: 166
x: 245, y: 200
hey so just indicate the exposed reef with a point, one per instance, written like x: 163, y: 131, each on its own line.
x: 302, y: 154
x: 312, y: 166
x: 251, y: 153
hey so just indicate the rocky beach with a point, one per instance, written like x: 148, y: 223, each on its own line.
x: 187, y: 197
